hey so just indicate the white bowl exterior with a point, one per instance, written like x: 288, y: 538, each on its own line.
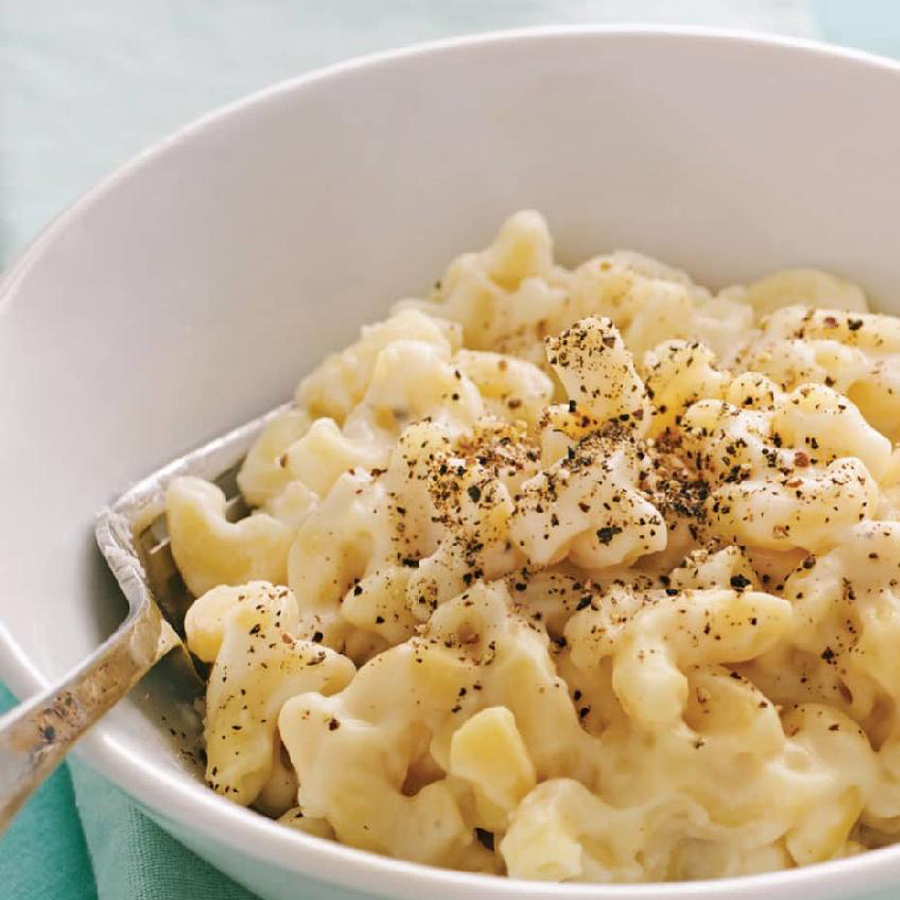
x: 191, y: 291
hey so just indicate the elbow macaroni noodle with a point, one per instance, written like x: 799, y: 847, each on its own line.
x: 572, y: 575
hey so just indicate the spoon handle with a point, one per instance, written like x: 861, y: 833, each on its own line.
x: 36, y: 735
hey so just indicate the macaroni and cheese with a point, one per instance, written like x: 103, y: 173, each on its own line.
x: 579, y: 574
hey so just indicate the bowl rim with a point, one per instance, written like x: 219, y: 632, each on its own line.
x: 193, y: 807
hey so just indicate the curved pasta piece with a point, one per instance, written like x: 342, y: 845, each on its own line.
x: 717, y: 323
x: 341, y: 381
x: 751, y: 390
x: 666, y: 311
x: 336, y: 544
x: 263, y: 473
x: 279, y: 794
x: 731, y: 714
x: 325, y: 453
x: 412, y: 381
x: 523, y: 248
x: 655, y: 636
x: 563, y: 832
x: 784, y: 477
x: 847, y: 625
x: 828, y: 426
x: 440, y: 576
x: 378, y: 603
x: 297, y: 819
x: 618, y: 285
x: 586, y: 506
x: 502, y: 296
x: 598, y: 372
x: 848, y: 772
x: 705, y: 570
x: 353, y: 751
x: 811, y: 287
x: 726, y: 441
x: 450, y: 498
x: 797, y: 509
x: 512, y: 389
x: 855, y: 353
x: 258, y: 664
x: 293, y: 505
x: 677, y: 374
x: 209, y: 550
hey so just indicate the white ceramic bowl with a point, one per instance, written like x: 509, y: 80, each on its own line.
x: 191, y: 290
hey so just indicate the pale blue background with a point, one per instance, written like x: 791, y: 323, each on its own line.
x: 85, y: 84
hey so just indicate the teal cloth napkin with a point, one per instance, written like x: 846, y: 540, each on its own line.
x: 81, y: 838
x: 133, y: 858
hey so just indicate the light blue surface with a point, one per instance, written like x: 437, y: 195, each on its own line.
x: 872, y: 25
x: 86, y: 84
x: 83, y: 86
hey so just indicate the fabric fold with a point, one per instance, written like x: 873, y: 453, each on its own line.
x: 133, y: 858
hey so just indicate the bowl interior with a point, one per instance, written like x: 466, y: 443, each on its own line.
x: 191, y: 291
